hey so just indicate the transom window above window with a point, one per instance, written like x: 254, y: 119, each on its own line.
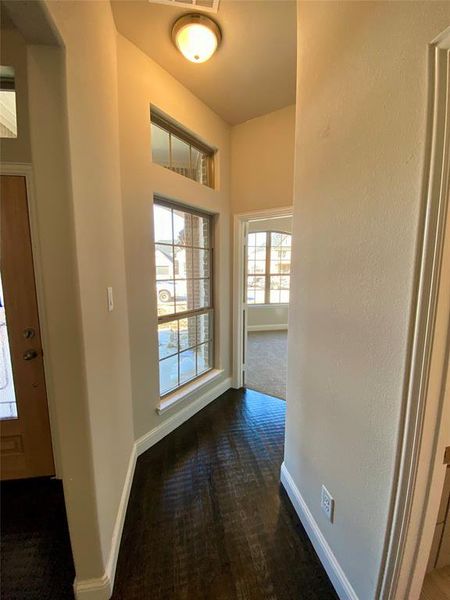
x: 175, y: 149
x: 8, y: 116
x: 184, y: 295
x: 268, y: 267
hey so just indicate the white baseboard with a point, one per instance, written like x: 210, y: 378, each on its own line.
x: 93, y: 589
x: 274, y: 327
x: 337, y: 576
x: 120, y: 518
x: 102, y: 588
x: 157, y: 433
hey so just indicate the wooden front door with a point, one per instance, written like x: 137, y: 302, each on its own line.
x: 26, y: 448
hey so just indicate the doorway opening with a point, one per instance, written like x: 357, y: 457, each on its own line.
x: 263, y: 242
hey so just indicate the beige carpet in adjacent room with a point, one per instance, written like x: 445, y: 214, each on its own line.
x: 267, y: 362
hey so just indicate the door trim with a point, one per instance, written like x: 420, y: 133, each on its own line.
x: 408, y: 535
x: 26, y: 170
x: 239, y: 222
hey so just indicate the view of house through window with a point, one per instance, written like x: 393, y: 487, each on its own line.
x: 183, y: 287
x: 268, y: 267
x: 178, y: 151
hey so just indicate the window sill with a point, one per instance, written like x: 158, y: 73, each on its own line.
x: 282, y: 304
x: 188, y: 390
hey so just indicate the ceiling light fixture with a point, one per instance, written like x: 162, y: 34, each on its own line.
x: 197, y: 37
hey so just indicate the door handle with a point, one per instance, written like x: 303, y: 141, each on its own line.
x: 29, y: 354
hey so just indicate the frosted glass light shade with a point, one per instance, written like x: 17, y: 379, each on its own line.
x: 196, y: 37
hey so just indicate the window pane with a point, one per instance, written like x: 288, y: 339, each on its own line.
x: 256, y: 290
x: 203, y: 358
x: 275, y: 267
x: 183, y: 262
x: 168, y: 339
x: 164, y: 261
x: 201, y: 293
x: 183, y: 295
x: 284, y: 282
x: 160, y: 146
x: 204, y: 331
x: 252, y: 239
x: 199, y: 166
x: 187, y: 365
x: 279, y: 289
x: 8, y: 406
x: 162, y: 217
x: 181, y: 161
x: 256, y: 267
x: 168, y: 374
x: 8, y: 115
x: 200, y: 232
x: 275, y: 239
x: 275, y: 283
x: 188, y: 333
x: 274, y: 296
x: 257, y: 239
x: 182, y: 228
x: 257, y: 253
x: 166, y: 294
x: 260, y: 238
x: 201, y: 263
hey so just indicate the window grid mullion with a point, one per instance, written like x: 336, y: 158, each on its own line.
x: 267, y: 269
x: 194, y: 313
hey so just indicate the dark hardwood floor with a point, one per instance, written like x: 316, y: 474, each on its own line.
x: 207, y: 518
x: 36, y: 558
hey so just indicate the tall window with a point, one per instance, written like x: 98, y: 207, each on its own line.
x: 184, y: 293
x: 175, y: 149
x: 268, y: 267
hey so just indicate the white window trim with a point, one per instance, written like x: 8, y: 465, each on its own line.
x: 188, y: 391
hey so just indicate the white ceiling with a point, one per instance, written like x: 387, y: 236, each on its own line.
x: 252, y: 73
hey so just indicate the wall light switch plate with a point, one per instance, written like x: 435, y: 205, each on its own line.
x: 327, y: 503
x: 110, y: 299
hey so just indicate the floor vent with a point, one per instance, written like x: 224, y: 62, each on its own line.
x: 211, y: 6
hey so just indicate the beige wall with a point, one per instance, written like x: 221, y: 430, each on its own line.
x: 361, y: 118
x: 14, y: 54
x: 53, y: 220
x: 42, y: 141
x: 141, y: 83
x: 91, y: 79
x: 262, y: 161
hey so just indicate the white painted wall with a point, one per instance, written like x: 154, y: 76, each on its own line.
x: 142, y: 82
x: 89, y: 37
x: 361, y: 121
x: 265, y: 316
x: 51, y: 216
x: 262, y: 161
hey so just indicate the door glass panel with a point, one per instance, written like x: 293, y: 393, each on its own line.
x: 8, y: 406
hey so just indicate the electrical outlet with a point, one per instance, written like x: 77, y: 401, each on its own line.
x: 327, y: 503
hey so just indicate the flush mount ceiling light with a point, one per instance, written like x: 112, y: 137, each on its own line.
x: 196, y: 37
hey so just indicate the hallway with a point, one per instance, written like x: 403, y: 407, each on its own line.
x: 207, y: 517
